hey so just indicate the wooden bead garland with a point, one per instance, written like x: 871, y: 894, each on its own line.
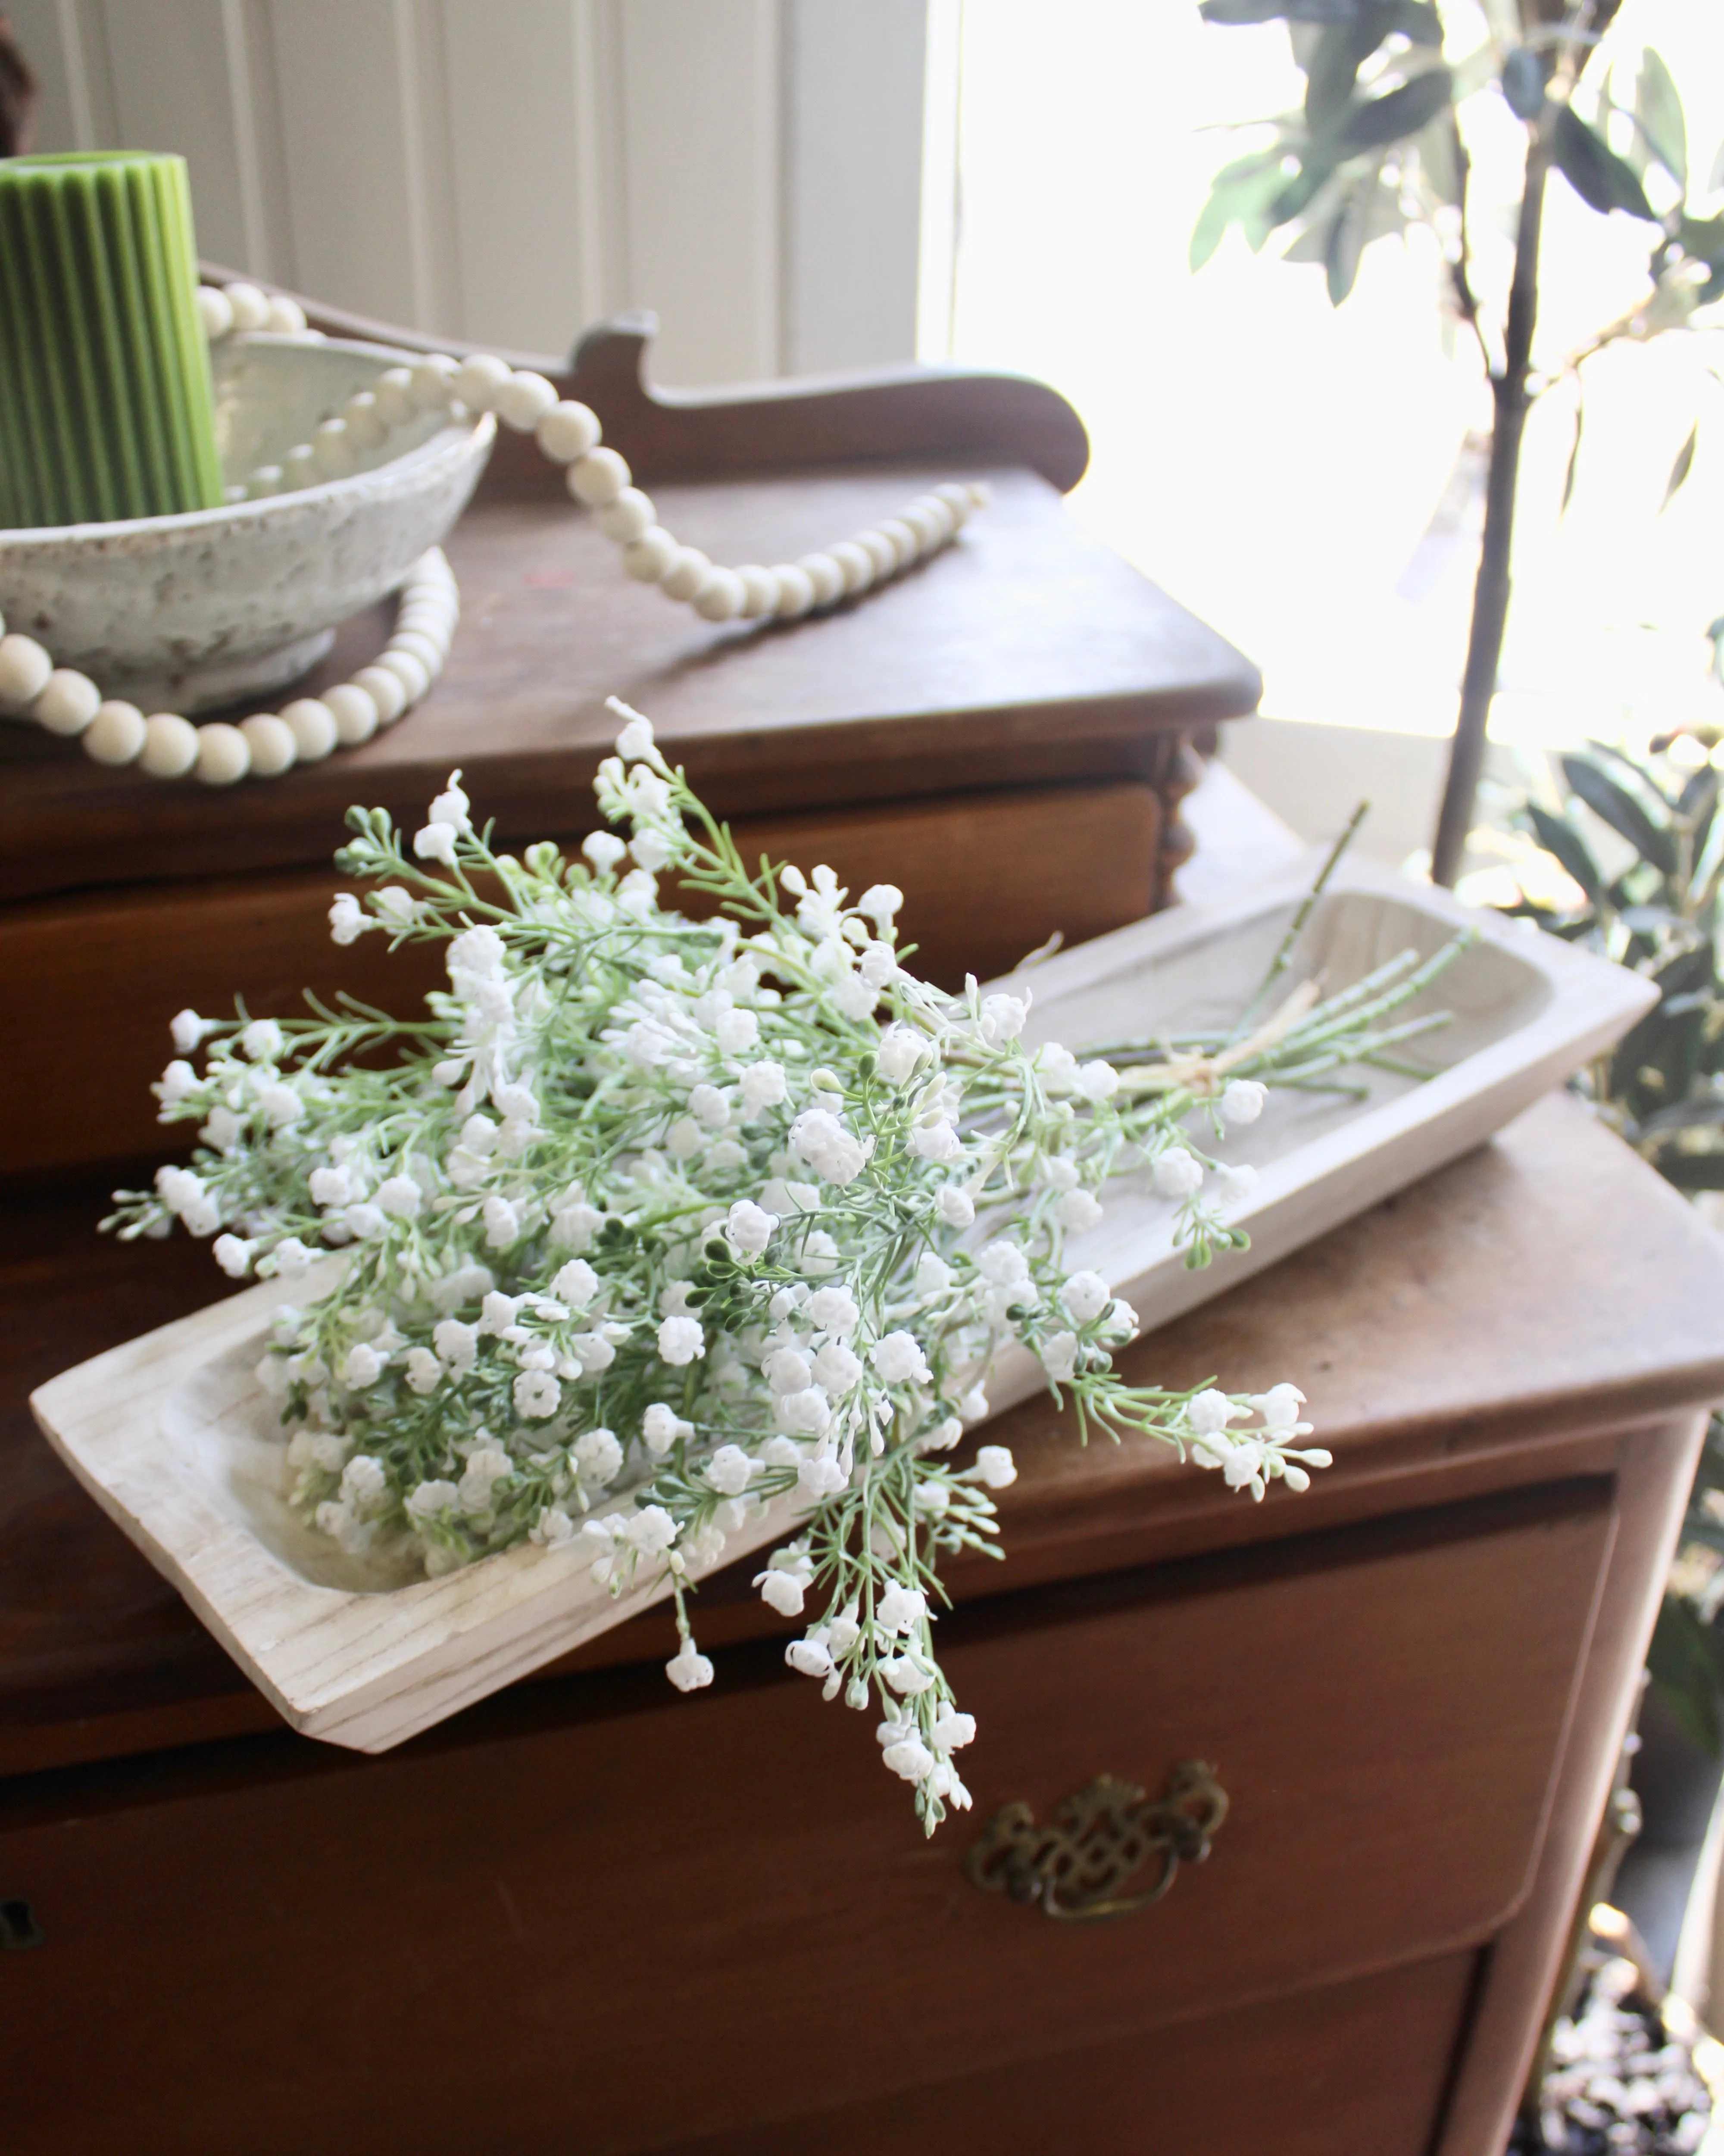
x: 598, y: 478
x: 167, y: 746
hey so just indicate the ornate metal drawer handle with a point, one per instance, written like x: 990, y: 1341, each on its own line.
x: 1097, y: 1841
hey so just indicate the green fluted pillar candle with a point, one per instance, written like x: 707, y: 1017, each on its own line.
x: 106, y: 407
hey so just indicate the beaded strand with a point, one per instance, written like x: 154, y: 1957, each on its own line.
x: 167, y: 746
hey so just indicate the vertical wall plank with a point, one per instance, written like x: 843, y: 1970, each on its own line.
x: 171, y: 90
x: 853, y: 107
x: 345, y: 120
x: 750, y: 169
x: 936, y: 269
x: 41, y: 27
x: 515, y: 121
x: 700, y: 107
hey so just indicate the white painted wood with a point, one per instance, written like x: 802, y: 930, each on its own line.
x: 937, y: 265
x: 350, y: 122
x: 698, y: 99
x: 521, y: 165
x: 164, y: 103
x: 50, y: 37
x: 852, y: 191
x: 174, y: 1438
x: 749, y: 169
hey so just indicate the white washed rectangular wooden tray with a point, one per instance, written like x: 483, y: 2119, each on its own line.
x: 173, y: 1437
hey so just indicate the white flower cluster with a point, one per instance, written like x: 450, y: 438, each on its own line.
x: 655, y: 1221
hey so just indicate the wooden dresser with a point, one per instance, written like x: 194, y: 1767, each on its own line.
x: 592, y: 1915
x: 1003, y: 731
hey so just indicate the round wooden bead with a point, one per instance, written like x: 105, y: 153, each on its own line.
x: 567, y: 431
x: 434, y: 378
x: 233, y: 495
x: 940, y: 514
x: 265, y: 481
x: 365, y: 429
x: 286, y: 317
x: 880, y: 550
x: 628, y: 516
x: 760, y: 592
x: 355, y: 715
x: 332, y: 450
x: 215, y: 311
x: 686, y: 573
x: 273, y: 748
x: 414, y: 677
x: 223, y: 754
x: 385, y: 690
x: 523, y: 400
x: 428, y: 609
x: 719, y: 597
x: 477, y: 381
x: 393, y: 396
x: 796, y: 592
x: 826, y: 577
x: 958, y: 500
x: 251, y: 308
x: 298, y: 467
x: 598, y: 478
x: 425, y: 649
x: 170, y: 746
x: 67, y: 703
x: 312, y: 725
x: 115, y: 734
x: 24, y: 668
x: 433, y: 622
x: 648, y: 558
x: 854, y: 566
x: 928, y: 528
x: 898, y: 534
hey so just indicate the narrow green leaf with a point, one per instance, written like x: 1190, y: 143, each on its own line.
x: 1681, y: 468
x: 1558, y: 837
x: 1210, y: 229
x: 1397, y: 113
x: 1683, y: 1660
x: 1623, y: 815
x: 1573, y: 465
x: 1659, y: 109
x: 1334, y: 70
x: 1346, y: 244
x: 1524, y: 73
x: 1603, y: 181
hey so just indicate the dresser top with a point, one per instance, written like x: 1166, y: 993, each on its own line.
x: 1025, y: 653
x: 1549, y: 1283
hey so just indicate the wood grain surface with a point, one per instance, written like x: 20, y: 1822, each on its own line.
x: 554, y: 1868
x: 1027, y: 653
x: 1468, y: 1335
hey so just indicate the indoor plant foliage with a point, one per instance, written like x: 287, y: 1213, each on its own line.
x: 1380, y: 142
x: 651, y: 1222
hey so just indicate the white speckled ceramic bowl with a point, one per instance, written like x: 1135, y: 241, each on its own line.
x: 183, y: 612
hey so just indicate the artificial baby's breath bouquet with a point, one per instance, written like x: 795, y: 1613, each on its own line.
x: 652, y: 1222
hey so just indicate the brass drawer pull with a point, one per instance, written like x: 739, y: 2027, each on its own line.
x: 1097, y: 1840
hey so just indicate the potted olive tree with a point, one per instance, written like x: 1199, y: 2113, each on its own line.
x: 1380, y: 141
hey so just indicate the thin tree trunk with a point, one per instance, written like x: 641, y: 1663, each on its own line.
x: 1491, y: 592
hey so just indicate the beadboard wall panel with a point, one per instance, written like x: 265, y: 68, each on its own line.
x: 852, y: 166
x: 749, y: 169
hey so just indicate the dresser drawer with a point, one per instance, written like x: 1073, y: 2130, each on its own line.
x: 594, y: 1907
